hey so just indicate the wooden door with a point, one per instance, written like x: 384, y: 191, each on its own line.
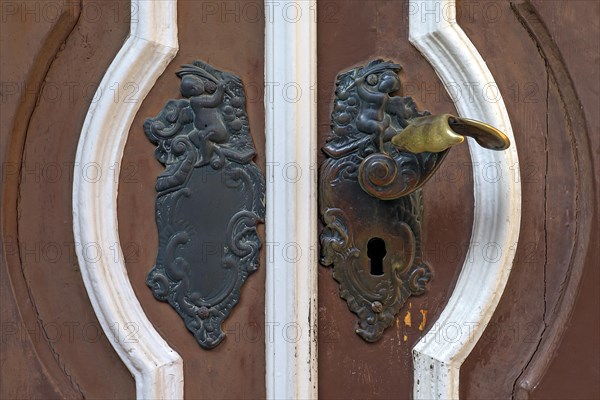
x: 512, y: 308
x: 532, y: 53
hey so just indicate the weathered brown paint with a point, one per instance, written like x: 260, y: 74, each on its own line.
x: 551, y: 171
x: 56, y: 351
x: 235, y: 368
x: 554, y: 247
x: 45, y: 132
x: 348, y: 366
x: 19, y: 351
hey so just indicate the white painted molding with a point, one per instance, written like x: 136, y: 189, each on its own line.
x: 150, y: 46
x: 291, y: 220
x: 439, y: 355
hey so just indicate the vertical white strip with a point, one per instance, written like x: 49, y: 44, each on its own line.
x: 497, y: 191
x: 291, y: 220
x: 151, y: 45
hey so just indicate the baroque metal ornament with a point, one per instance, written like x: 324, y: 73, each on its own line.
x: 381, y: 151
x: 369, y: 198
x: 211, y: 197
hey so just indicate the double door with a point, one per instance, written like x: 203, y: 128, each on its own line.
x: 511, y: 309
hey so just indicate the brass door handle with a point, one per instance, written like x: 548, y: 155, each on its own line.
x: 380, y: 152
x: 382, y: 175
x: 435, y: 133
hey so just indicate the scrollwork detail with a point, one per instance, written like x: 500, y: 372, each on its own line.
x: 204, y: 142
x: 365, y: 184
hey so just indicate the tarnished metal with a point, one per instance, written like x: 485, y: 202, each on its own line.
x: 211, y: 197
x: 381, y: 151
x: 435, y: 133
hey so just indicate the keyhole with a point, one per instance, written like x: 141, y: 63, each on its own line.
x: 376, y: 251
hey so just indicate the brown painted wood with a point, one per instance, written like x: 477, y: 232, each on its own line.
x: 21, y: 351
x: 230, y: 42
x: 56, y: 349
x: 525, y: 82
x: 558, y: 204
x: 541, y: 341
x: 348, y: 366
x: 542, y: 89
x: 579, y: 343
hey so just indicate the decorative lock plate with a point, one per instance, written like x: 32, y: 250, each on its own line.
x: 211, y: 197
x: 381, y: 151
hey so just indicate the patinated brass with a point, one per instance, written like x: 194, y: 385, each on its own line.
x: 380, y: 152
x: 435, y: 133
x: 485, y: 135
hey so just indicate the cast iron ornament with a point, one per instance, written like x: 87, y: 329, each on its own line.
x: 211, y: 197
x: 380, y: 152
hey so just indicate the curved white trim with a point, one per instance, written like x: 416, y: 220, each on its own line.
x: 291, y: 220
x: 440, y: 353
x: 151, y: 45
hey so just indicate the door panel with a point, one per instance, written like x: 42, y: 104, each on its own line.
x: 236, y: 367
x: 348, y: 366
x: 542, y: 341
x: 554, y: 245
x: 55, y: 326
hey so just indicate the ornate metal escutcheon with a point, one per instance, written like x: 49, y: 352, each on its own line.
x: 211, y: 197
x: 381, y: 150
